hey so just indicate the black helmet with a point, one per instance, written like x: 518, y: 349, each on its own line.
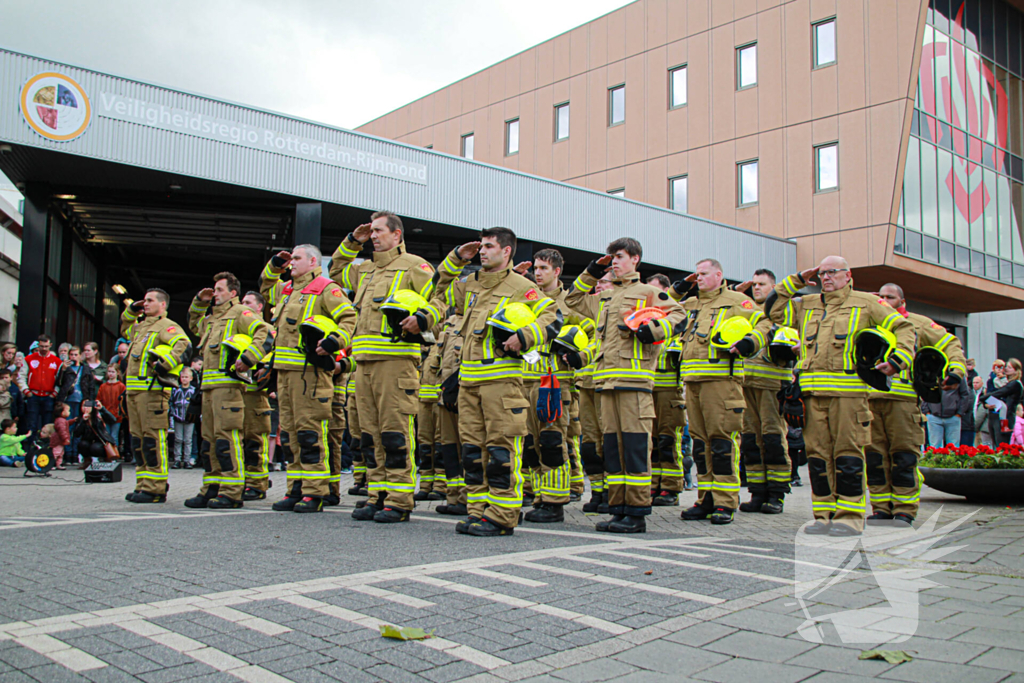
x: 928, y: 373
x: 872, y: 346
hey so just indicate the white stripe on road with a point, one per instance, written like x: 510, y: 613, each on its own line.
x: 385, y: 594
x: 247, y: 620
x: 60, y: 652
x: 694, y: 565
x: 599, y: 563
x: 599, y: 578
x: 511, y: 578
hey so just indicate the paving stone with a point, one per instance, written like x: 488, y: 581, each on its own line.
x: 597, y: 670
x: 992, y: 636
x: 840, y: 660
x: 670, y: 658
x: 177, y: 673
x: 924, y: 671
x: 1001, y: 658
x: 524, y: 653
x: 131, y: 662
x: 339, y: 671
x: 759, y: 646
x: 746, y: 670
x: 392, y: 674
x: 55, y: 673
x: 758, y: 620
x: 700, y: 634
x: 453, y: 671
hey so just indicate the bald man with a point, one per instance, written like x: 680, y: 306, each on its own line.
x: 837, y: 416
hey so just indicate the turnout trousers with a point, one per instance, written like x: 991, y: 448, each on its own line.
x: 335, y: 435
x: 576, y: 479
x: 835, y: 431
x: 492, y: 427
x: 667, y: 456
x: 386, y: 392
x: 763, y: 445
x: 358, y: 464
x: 147, y: 416
x: 592, y: 439
x: 627, y: 417
x: 256, y: 440
x: 220, y: 451
x: 451, y: 455
x: 428, y: 447
x: 897, y: 435
x: 715, y: 411
x: 546, y: 453
x: 304, y: 401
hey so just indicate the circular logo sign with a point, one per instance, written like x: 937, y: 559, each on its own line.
x: 55, y: 106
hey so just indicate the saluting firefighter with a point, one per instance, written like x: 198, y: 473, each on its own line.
x: 392, y: 286
x: 157, y: 350
x: 314, y: 321
x: 897, y: 430
x: 428, y: 431
x: 257, y: 427
x: 763, y: 444
x: 504, y: 316
x: 669, y: 417
x: 723, y: 327
x: 449, y: 343
x: 840, y: 331
x: 231, y: 339
x: 635, y: 318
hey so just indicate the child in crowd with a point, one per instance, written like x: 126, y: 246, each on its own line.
x: 11, y: 452
x: 6, y: 397
x: 1018, y: 427
x: 181, y: 396
x: 109, y: 396
x: 61, y: 433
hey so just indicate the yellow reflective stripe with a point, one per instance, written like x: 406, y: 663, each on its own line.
x: 346, y: 251
x: 270, y: 274
x: 766, y: 371
x: 891, y: 320
x: 621, y: 373
x: 373, y: 344
x: 831, y: 381
x: 484, y: 371
x: 848, y: 353
x: 580, y: 285
x: 791, y: 286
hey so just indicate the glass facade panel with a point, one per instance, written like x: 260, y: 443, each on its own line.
x: 512, y: 137
x: 562, y: 122
x: 679, y: 188
x: 748, y: 183
x: 912, y: 187
x: 746, y: 66
x: 929, y: 191
x: 825, y: 43
x: 677, y: 87
x: 616, y: 105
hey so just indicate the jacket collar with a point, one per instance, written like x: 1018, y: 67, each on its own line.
x: 711, y: 293
x: 383, y: 258
x: 494, y: 278
x: 626, y: 279
x: 302, y: 281
x: 221, y: 309
x: 839, y: 296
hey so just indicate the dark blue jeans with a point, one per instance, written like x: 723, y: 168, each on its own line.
x: 38, y: 411
x: 967, y: 438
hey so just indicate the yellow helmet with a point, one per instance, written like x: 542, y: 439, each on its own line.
x: 311, y: 331
x: 872, y: 346
x: 727, y: 333
x: 571, y: 338
x: 397, y: 308
x: 230, y: 351
x: 166, y: 378
x: 508, y: 319
x: 785, y: 346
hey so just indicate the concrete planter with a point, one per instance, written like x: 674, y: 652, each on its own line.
x: 991, y: 486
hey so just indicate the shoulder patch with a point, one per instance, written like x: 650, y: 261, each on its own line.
x: 427, y: 267
x: 746, y: 304
x: 938, y: 326
x: 172, y: 329
x: 246, y: 313
x: 883, y: 302
x: 532, y: 295
x: 336, y: 292
x: 663, y: 296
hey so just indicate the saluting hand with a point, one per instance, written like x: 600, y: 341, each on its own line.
x: 523, y: 268
x: 362, y: 233
x: 468, y: 250
x: 808, y: 275
x: 279, y: 262
x: 744, y: 286
x: 205, y: 294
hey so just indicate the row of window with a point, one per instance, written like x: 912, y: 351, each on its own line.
x: 824, y: 54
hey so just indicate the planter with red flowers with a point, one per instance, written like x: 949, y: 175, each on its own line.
x: 981, y: 474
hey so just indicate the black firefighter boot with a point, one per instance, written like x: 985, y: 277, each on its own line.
x: 756, y: 502
x: 596, y: 498
x: 309, y: 504
x: 287, y: 504
x: 201, y: 501
x: 629, y: 524
x: 222, y: 502
x: 546, y: 513
x: 700, y: 510
x: 367, y: 512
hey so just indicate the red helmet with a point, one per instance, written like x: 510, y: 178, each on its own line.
x: 643, y: 316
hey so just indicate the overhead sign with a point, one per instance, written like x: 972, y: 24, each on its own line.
x: 197, y: 124
x: 55, y: 106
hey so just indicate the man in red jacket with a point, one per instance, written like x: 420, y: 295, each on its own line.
x: 42, y: 378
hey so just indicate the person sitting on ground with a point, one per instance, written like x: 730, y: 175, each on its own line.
x: 11, y: 452
x: 61, y: 433
x: 91, y: 432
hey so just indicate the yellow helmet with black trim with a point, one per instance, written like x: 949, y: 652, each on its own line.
x: 872, y: 346
x: 231, y: 350
x: 729, y: 332
x: 929, y: 372
x: 571, y: 342
x: 311, y: 331
x: 507, y: 320
x: 162, y: 356
x: 785, y: 346
x: 397, y: 308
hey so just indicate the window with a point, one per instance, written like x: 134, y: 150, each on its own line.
x: 748, y: 182
x: 467, y: 146
x: 430, y: 147
x: 677, y: 87
x: 616, y: 105
x: 746, y: 66
x: 621, y: 192
x: 562, y: 122
x: 826, y: 165
x: 512, y: 137
x: 678, y: 188
x: 825, y: 43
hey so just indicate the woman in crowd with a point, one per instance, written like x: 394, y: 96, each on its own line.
x: 1011, y: 394
x: 94, y: 370
x: 91, y: 432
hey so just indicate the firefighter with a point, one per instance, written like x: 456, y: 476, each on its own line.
x: 669, y: 417
x: 497, y: 305
x: 232, y: 339
x: 449, y: 341
x: 897, y: 427
x: 723, y: 327
x: 836, y: 413
x: 337, y: 424
x: 634, y: 318
x: 763, y: 445
x: 256, y: 431
x: 149, y: 378
x: 591, y: 435
x: 428, y: 446
x: 358, y: 487
x: 386, y: 357
x: 314, y: 321
x: 577, y: 482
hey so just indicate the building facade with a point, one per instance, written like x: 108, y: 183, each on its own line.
x: 889, y: 131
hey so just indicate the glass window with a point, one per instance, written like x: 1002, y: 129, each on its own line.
x: 1017, y: 215
x: 746, y: 66
x: 467, y: 146
x: 562, y: 121
x: 961, y: 205
x: 616, y: 105
x: 991, y: 220
x: 940, y: 71
x: 1005, y: 224
x: 621, y: 192
x: 748, y: 182
x: 988, y: 29
x: 945, y: 167
x: 912, y: 187
x: 929, y: 191
x: 677, y: 87
x: 678, y: 188
x: 512, y: 137
x: 826, y: 159
x: 825, y: 43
